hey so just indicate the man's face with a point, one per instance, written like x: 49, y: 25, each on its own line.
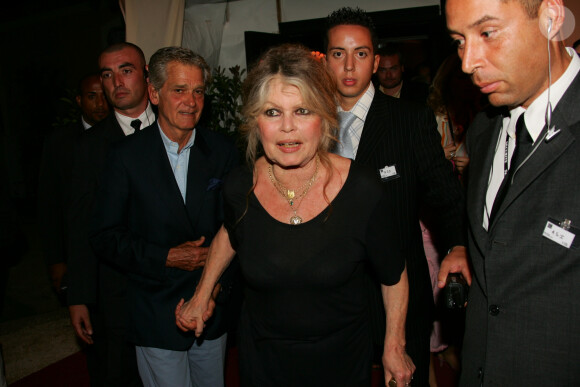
x: 390, y: 72
x: 92, y: 101
x: 180, y: 100
x: 501, y: 48
x: 351, y: 58
x: 123, y: 78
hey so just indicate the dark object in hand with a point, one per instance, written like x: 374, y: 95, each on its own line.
x: 455, y: 291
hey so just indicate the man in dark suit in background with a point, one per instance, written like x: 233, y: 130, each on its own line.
x: 523, y: 206
x: 158, y: 209
x: 390, y: 76
x: 55, y: 175
x: 96, y: 292
x: 400, y: 141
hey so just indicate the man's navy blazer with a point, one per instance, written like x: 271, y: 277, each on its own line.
x: 140, y: 214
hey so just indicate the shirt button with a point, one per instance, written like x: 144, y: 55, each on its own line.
x: 494, y: 310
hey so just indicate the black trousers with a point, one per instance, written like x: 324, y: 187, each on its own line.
x: 112, y: 361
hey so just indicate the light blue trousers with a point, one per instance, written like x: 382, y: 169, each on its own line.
x: 202, y: 365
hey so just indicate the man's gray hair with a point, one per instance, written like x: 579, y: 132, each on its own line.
x: 162, y: 57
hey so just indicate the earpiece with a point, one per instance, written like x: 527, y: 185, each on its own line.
x: 549, y: 26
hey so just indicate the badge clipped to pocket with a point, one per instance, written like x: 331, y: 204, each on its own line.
x: 561, y: 232
x: 389, y: 172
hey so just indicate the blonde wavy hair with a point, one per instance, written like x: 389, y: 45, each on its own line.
x: 294, y: 65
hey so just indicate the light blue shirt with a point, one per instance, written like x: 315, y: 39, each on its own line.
x: 179, y: 161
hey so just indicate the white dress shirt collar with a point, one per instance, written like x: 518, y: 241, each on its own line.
x: 147, y: 118
x: 536, y: 112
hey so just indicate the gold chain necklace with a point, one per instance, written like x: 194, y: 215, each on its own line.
x: 290, y: 195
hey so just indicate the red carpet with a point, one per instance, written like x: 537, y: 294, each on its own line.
x: 68, y: 372
x: 72, y: 372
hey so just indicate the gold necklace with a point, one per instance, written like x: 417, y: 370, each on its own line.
x: 290, y: 195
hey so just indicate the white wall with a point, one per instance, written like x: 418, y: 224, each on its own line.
x: 216, y: 31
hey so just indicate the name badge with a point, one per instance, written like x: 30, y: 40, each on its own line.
x: 388, y: 172
x: 555, y: 233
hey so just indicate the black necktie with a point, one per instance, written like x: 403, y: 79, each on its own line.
x: 136, y: 124
x: 522, y: 149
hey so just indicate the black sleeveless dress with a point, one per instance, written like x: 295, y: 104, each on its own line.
x: 305, y: 316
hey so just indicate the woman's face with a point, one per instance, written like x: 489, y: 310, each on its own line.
x: 289, y: 132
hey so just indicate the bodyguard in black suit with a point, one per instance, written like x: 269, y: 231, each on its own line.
x: 523, y: 314
x: 96, y: 292
x: 400, y: 141
x: 158, y: 208
x: 55, y: 175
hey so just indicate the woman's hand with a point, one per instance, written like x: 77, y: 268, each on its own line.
x: 449, y: 150
x: 461, y: 163
x: 192, y: 315
x: 398, y: 366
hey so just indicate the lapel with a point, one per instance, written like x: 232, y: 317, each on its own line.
x: 482, y: 150
x: 376, y: 123
x: 163, y: 178
x: 199, y: 172
x: 564, y: 116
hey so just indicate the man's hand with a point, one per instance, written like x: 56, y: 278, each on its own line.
x: 188, y: 256
x: 455, y: 262
x: 56, y: 272
x: 397, y: 365
x: 81, y: 322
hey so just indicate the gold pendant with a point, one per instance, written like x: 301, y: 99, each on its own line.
x: 295, y: 220
x: 290, y: 194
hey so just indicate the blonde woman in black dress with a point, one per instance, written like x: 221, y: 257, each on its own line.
x: 304, y: 223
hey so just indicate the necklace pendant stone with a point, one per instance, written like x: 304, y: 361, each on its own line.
x: 295, y: 220
x: 290, y: 194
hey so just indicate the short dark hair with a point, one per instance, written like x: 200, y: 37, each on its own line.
x: 391, y: 49
x: 86, y: 78
x: 530, y: 6
x: 119, y: 46
x: 350, y: 16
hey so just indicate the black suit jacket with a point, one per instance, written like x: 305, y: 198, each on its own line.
x: 89, y: 157
x: 401, y: 134
x: 140, y: 214
x: 523, y: 316
x: 415, y: 91
x: 54, y: 190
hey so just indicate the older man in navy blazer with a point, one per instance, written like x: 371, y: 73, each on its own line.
x: 158, y: 209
